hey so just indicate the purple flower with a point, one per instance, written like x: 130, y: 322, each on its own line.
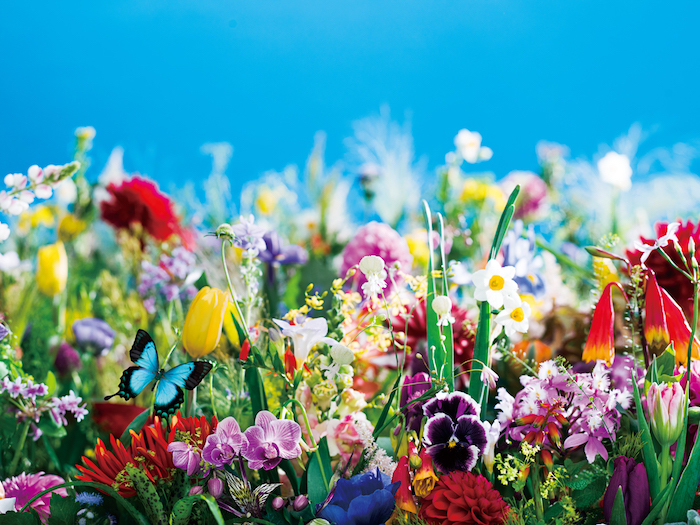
x: 25, y: 486
x: 249, y: 236
x: 32, y: 390
x: 4, y: 331
x: 275, y: 253
x: 14, y: 388
x: 271, y: 440
x: 632, y: 478
x: 453, y: 434
x: 414, y: 387
x: 67, y: 359
x: 225, y: 444
x: 185, y: 457
x: 94, y: 335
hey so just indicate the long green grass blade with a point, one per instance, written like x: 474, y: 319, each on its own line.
x: 449, y: 357
x: 650, y: 462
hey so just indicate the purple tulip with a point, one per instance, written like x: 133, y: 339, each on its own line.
x: 413, y: 387
x: 271, y: 440
x: 632, y: 478
x: 225, y: 444
x: 94, y: 334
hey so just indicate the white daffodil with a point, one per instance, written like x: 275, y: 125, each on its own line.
x: 468, y: 144
x: 615, y: 169
x: 661, y: 242
x: 494, y: 284
x: 442, y: 306
x: 515, y: 316
x: 372, y: 266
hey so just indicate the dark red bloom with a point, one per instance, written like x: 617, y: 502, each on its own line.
x: 138, y: 201
x: 114, y: 418
x: 667, y: 276
x: 464, y: 498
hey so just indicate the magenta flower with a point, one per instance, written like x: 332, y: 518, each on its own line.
x: 631, y: 477
x: 25, y: 486
x: 666, y: 405
x: 225, y: 444
x: 271, y: 440
x: 185, y: 457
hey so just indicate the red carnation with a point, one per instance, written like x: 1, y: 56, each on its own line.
x: 464, y: 498
x: 139, y: 201
x: 667, y: 276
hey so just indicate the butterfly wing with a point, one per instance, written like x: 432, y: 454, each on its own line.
x: 143, y: 352
x: 134, y: 379
x: 169, y: 394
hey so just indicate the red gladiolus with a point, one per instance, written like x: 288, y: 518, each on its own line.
x: 404, y: 496
x: 655, y: 327
x: 464, y: 498
x: 601, y: 339
x: 138, y: 201
x: 678, y: 329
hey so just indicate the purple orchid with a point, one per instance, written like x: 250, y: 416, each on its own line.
x: 94, y: 334
x: 186, y: 457
x: 271, y: 440
x: 275, y: 253
x: 414, y: 387
x: 225, y: 444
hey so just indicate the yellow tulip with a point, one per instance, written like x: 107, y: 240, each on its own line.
x: 204, y: 321
x: 51, y: 269
x: 230, y: 327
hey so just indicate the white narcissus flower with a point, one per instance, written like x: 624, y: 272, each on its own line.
x: 515, y: 316
x: 494, y: 284
x: 615, y: 169
x: 468, y: 144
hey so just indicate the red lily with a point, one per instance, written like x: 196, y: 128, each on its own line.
x: 601, y: 339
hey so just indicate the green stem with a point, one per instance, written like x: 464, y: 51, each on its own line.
x: 539, y: 506
x: 231, y: 289
x: 211, y: 393
x: 20, y: 448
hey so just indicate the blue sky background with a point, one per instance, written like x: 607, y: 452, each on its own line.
x: 161, y: 78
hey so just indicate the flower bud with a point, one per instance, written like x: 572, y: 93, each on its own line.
x: 216, y: 487
x: 225, y: 231
x: 300, y: 503
x: 403, y: 495
x: 277, y: 503
x: 52, y: 269
x: 666, y: 405
x: 204, y: 321
x: 371, y: 265
x: 442, y: 305
x: 196, y: 490
x: 631, y: 477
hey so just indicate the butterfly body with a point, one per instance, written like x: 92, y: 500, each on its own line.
x: 167, y: 385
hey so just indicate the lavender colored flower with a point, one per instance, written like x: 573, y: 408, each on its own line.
x: 186, y: 457
x: 25, y: 486
x: 65, y: 404
x: 275, y: 253
x: 631, y: 477
x: 248, y: 235
x: 271, y: 440
x: 94, y: 335
x: 14, y: 388
x: 414, y: 387
x: 225, y: 444
x: 33, y: 390
x: 174, y: 276
x: 4, y: 331
x: 519, y: 252
x: 89, y: 498
x: 377, y: 239
x: 67, y: 359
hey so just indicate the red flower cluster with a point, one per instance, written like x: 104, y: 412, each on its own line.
x: 668, y: 277
x: 148, y: 451
x: 464, y: 498
x: 138, y: 201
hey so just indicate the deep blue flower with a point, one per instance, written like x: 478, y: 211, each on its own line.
x: 365, y: 499
x: 455, y: 405
x: 94, y: 335
x: 520, y: 253
x: 275, y: 253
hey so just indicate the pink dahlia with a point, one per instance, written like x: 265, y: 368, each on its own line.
x: 25, y: 486
x: 376, y: 238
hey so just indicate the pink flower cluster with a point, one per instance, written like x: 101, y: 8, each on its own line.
x: 585, y: 403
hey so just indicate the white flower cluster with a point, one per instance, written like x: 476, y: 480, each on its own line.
x: 21, y: 190
x: 373, y: 268
x: 495, y: 284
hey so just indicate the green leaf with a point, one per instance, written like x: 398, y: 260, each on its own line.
x: 658, y: 504
x: 136, y: 425
x: 449, y: 357
x: 433, y: 330
x: 553, y: 511
x: 183, y: 509
x: 50, y: 428
x: 385, y: 411
x: 202, y: 281
x: 618, y: 516
x: 650, y: 462
x: 63, y: 510
x: 315, y: 485
x: 591, y: 494
x: 256, y: 389
x: 21, y: 518
x: 148, y: 495
x: 682, y: 499
x: 50, y: 382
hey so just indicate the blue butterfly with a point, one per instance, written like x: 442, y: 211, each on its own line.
x: 168, y: 385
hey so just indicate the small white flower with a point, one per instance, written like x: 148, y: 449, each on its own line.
x: 661, y: 242
x: 615, y: 169
x: 341, y: 355
x: 494, y: 283
x: 4, y: 232
x: 468, y: 144
x: 548, y: 370
x: 16, y: 206
x: 43, y: 191
x: 67, y: 191
x: 35, y: 173
x: 493, y: 433
x: 515, y: 316
x: 15, y: 180
x: 489, y: 377
x: 373, y: 268
x: 10, y: 260
x: 442, y: 306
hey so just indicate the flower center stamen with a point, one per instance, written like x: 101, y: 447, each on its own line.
x: 517, y: 314
x: 496, y: 282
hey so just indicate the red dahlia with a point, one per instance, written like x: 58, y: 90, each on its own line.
x: 464, y: 498
x: 667, y: 276
x: 139, y: 201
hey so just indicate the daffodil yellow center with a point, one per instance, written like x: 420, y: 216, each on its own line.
x: 517, y: 314
x: 496, y: 282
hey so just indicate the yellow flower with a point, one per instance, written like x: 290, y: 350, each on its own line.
x: 473, y: 191
x: 51, y: 269
x: 69, y: 227
x: 204, y: 321
x: 230, y: 326
x: 267, y: 200
x: 418, y: 246
x: 425, y: 478
x: 40, y: 216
